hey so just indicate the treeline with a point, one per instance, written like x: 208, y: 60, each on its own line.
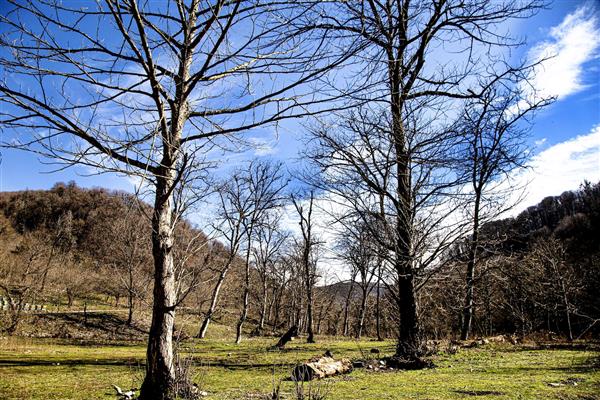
x: 68, y: 244
x: 540, y: 272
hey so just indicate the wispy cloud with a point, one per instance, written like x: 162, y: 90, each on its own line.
x: 563, y: 166
x: 572, y: 43
x: 262, y: 146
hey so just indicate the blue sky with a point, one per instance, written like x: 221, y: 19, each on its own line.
x: 565, y: 136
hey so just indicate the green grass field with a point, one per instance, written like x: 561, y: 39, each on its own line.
x: 68, y: 369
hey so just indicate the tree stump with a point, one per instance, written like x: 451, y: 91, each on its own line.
x: 289, y: 335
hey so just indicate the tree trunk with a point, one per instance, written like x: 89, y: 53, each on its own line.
x: 70, y: 298
x: 377, y: 307
x: 130, y: 312
x: 213, y: 303
x: 347, y: 307
x: 468, y: 310
x: 565, y: 304
x: 309, y: 323
x: 409, y: 345
x: 361, y: 315
x: 263, y: 311
x: 130, y: 298
x: 159, y: 383
x: 244, y: 315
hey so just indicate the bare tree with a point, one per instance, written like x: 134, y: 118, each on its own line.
x: 262, y: 186
x: 138, y: 87
x: 352, y: 281
x: 360, y: 252
x: 267, y: 252
x: 394, y: 157
x: 231, y: 231
x: 494, y: 131
x: 308, y: 256
x: 123, y: 246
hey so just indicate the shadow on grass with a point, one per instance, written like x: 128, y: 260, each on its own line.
x: 73, y: 362
x: 580, y: 346
x: 100, y: 322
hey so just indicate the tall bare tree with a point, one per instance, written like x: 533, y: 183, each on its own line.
x: 360, y: 252
x: 308, y: 256
x: 148, y: 89
x: 494, y: 130
x: 395, y: 152
x: 270, y: 242
x: 262, y: 189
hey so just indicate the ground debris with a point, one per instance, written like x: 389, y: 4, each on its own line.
x: 566, y: 382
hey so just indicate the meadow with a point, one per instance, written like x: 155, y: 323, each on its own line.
x: 48, y: 368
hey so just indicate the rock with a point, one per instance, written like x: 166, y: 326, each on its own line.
x: 358, y: 364
x: 375, y: 351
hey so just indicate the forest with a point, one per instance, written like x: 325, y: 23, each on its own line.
x: 536, y: 271
x: 323, y: 200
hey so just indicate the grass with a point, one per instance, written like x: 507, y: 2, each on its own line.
x: 70, y: 369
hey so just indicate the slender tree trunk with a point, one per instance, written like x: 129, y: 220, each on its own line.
x: 377, y: 307
x: 277, y: 307
x: 130, y: 298
x: 159, y: 383
x: 309, y: 316
x: 130, y: 310
x: 468, y: 308
x: 347, y: 307
x: 361, y: 315
x: 213, y: 303
x: 263, y: 311
x: 244, y: 315
x: 566, y: 305
x: 70, y: 298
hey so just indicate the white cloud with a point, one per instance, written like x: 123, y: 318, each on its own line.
x: 563, y: 166
x: 572, y: 43
x: 263, y: 147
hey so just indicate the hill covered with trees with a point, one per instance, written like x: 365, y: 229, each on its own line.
x: 68, y: 246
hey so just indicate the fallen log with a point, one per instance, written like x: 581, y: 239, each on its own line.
x: 321, y: 367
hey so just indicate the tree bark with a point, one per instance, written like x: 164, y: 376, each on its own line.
x: 213, y: 303
x: 361, y: 315
x: 244, y: 314
x: 469, y: 303
x: 130, y: 295
x: 159, y: 383
x: 377, y: 306
x: 409, y: 344
x: 347, y: 307
x: 309, y: 323
x: 263, y: 311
